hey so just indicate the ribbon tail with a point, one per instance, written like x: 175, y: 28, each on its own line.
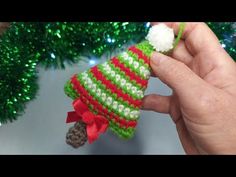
x: 92, y: 133
x: 72, y: 117
x: 102, y: 124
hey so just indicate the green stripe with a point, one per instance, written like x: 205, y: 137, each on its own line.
x: 125, y: 133
x: 141, y: 61
x: 131, y: 66
x: 122, y: 73
x: 108, y: 93
x: 69, y: 91
x: 141, y: 64
x: 146, y: 48
x: 118, y: 83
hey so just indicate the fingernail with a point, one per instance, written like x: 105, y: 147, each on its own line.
x: 158, y: 58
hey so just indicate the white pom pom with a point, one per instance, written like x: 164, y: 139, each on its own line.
x: 161, y: 37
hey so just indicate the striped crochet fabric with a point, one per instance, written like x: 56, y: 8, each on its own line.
x: 115, y: 88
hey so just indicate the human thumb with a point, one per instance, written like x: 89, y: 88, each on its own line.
x: 176, y: 75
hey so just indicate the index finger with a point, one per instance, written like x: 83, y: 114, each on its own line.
x: 197, y: 36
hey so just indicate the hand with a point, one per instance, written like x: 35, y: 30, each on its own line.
x: 203, y: 79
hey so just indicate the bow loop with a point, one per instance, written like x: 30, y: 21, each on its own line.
x: 88, y: 118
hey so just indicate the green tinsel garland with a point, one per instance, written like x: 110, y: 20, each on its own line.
x: 226, y: 32
x: 25, y: 45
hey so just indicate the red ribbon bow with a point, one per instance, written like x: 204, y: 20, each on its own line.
x: 96, y: 124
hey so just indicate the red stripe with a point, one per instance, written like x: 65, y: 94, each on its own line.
x: 85, y: 97
x: 99, y: 76
x: 140, y: 54
x: 115, y: 61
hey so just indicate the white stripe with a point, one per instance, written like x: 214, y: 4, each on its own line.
x: 108, y: 100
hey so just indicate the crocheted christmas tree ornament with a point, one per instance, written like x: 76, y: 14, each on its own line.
x: 110, y: 94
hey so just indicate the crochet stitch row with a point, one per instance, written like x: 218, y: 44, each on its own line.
x: 115, y: 88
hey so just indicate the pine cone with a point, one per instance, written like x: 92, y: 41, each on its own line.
x: 77, y: 135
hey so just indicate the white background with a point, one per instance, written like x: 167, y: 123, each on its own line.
x: 42, y: 129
